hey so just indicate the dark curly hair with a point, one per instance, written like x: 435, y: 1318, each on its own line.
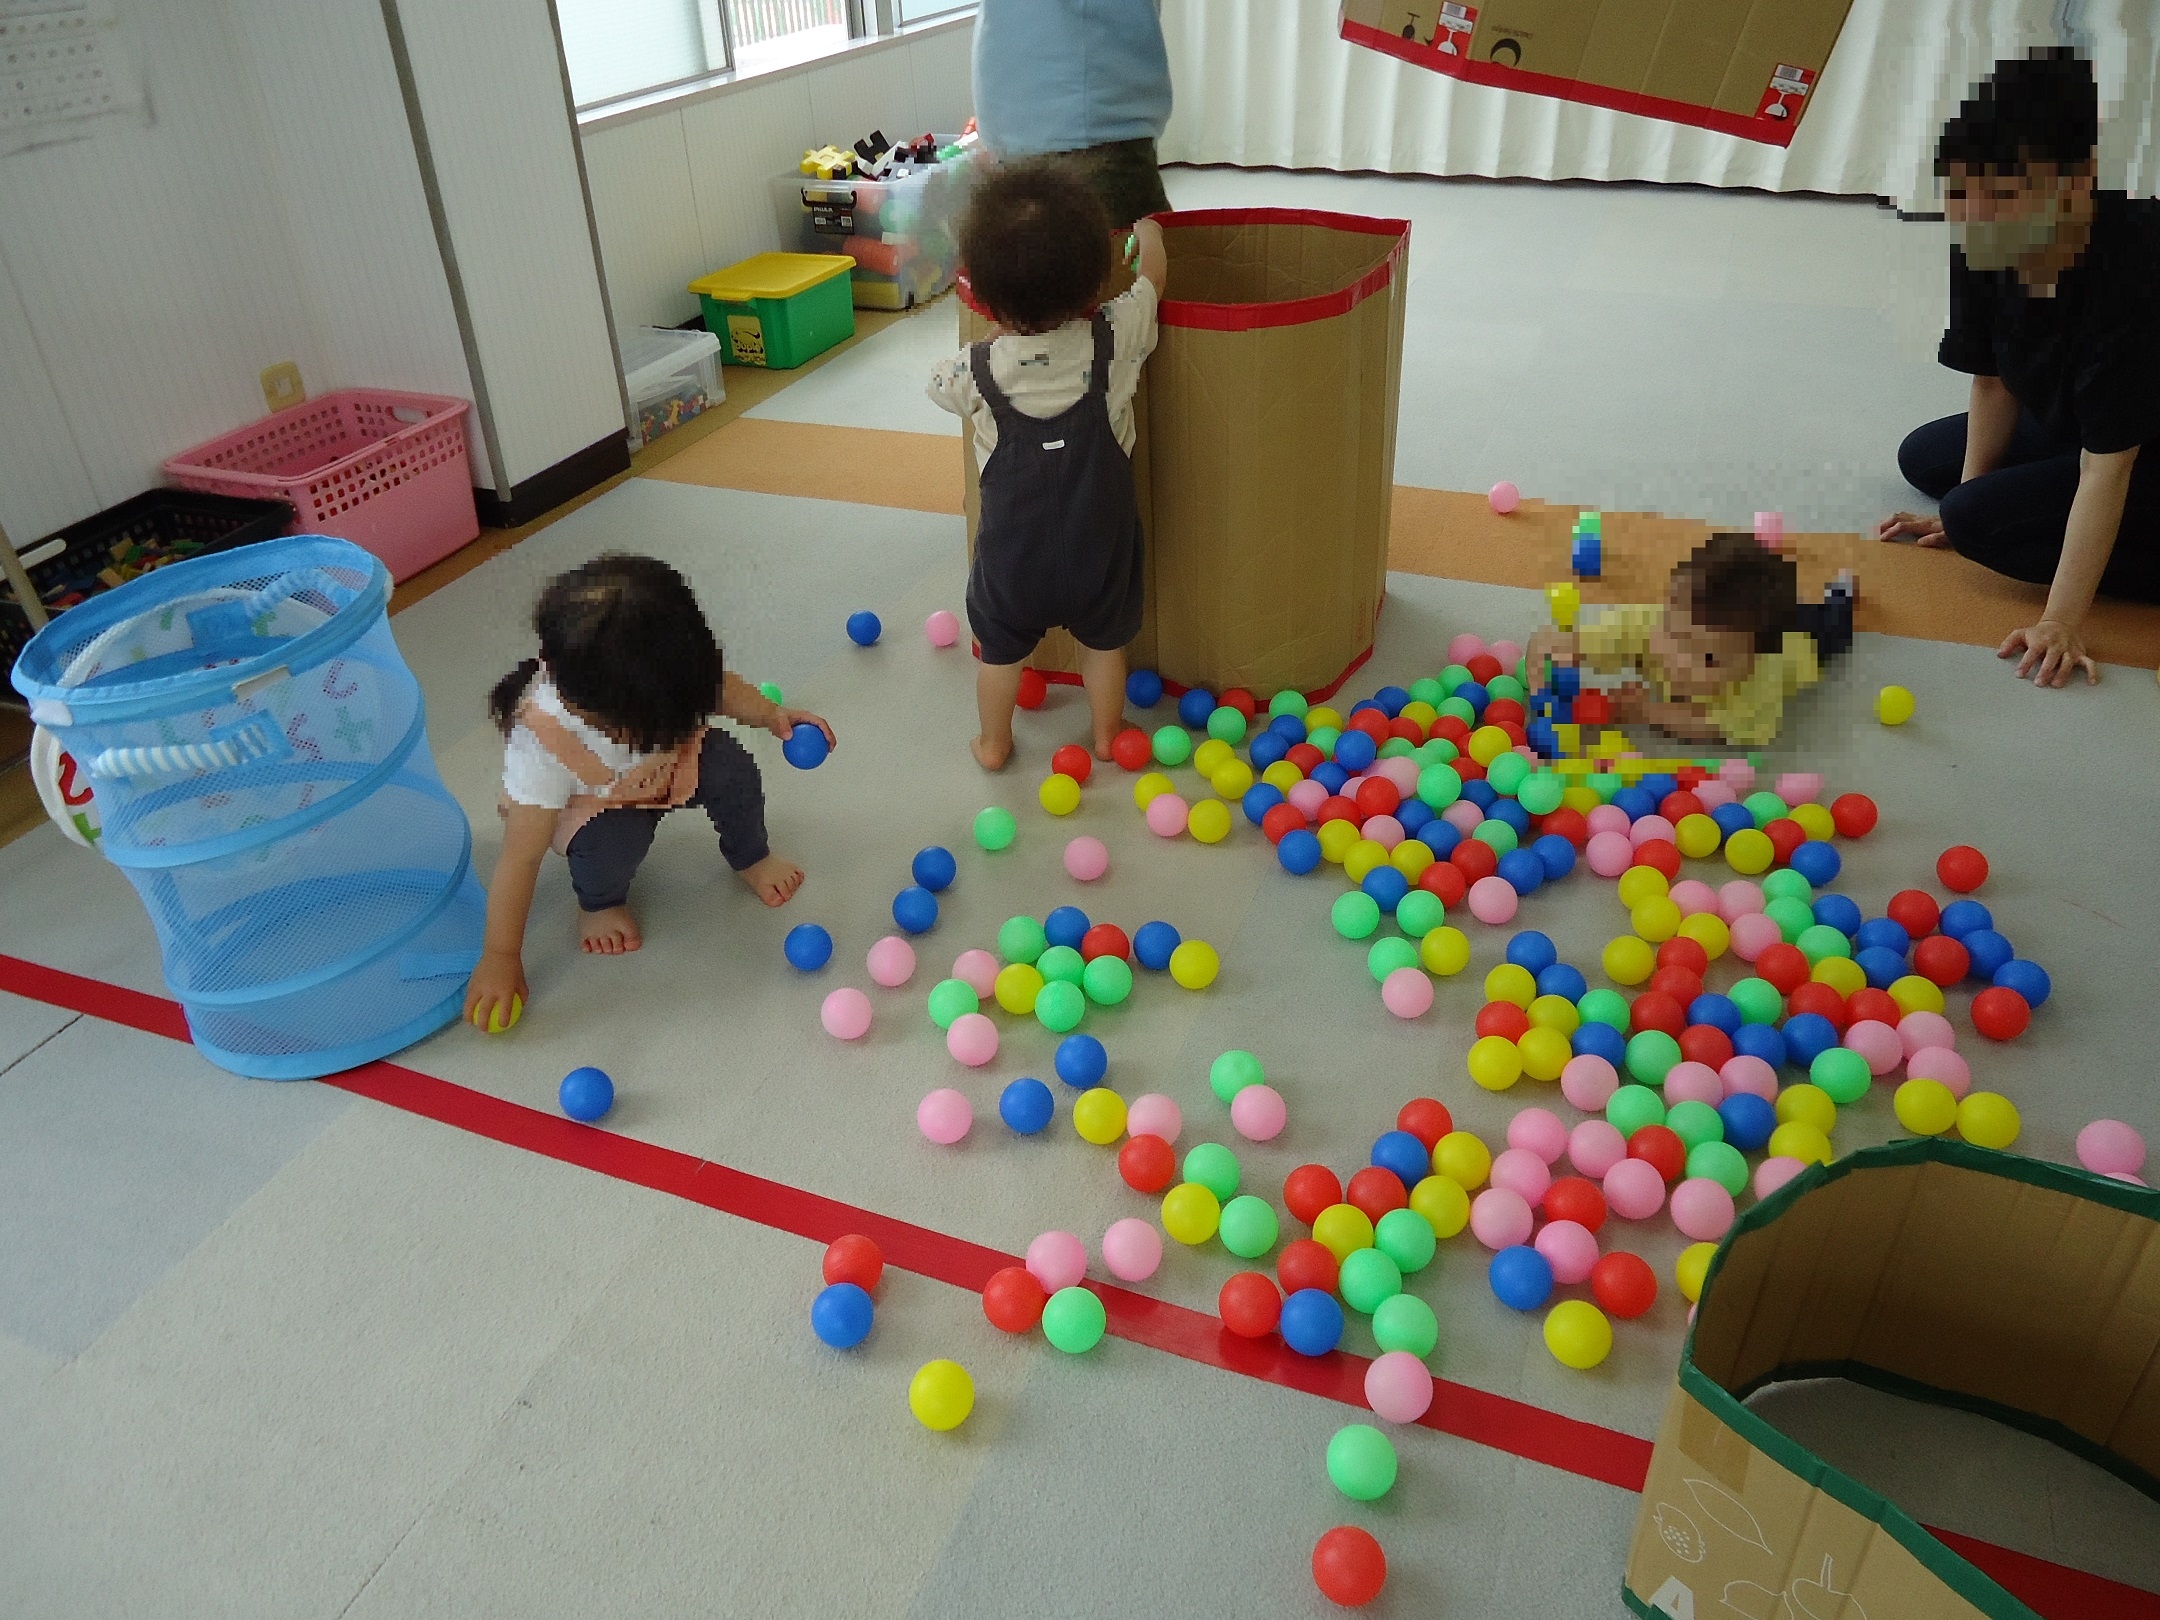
x: 1036, y: 243
x: 1734, y: 582
x: 624, y: 641
x: 2039, y: 108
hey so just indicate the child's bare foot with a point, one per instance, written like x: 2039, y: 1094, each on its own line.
x: 773, y: 880
x: 613, y: 932
x: 990, y: 756
x: 1103, y: 751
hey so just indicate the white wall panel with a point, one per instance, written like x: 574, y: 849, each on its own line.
x: 640, y: 178
x: 43, y: 482
x: 852, y: 95
x: 944, y: 78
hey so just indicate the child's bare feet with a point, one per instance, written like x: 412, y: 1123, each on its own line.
x: 1103, y: 751
x: 988, y: 755
x: 773, y: 880
x: 613, y: 932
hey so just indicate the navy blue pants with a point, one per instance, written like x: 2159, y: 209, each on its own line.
x: 606, y: 852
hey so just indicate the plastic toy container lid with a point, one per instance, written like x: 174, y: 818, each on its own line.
x: 771, y: 275
x: 653, y: 354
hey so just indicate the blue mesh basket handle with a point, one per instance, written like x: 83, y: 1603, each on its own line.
x: 437, y: 964
x: 246, y: 742
x: 315, y: 580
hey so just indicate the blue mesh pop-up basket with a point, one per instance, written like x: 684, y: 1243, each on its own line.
x: 258, y: 751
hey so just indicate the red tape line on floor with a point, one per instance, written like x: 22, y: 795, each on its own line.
x: 1588, y: 1450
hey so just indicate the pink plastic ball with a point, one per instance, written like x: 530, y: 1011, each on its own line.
x: 1503, y: 497
x: 1493, y: 900
x: 1087, y: 858
x: 2124, y: 1175
x: 1940, y: 1063
x: 1595, y: 1146
x: 1752, y: 934
x: 1402, y: 772
x: 1258, y: 1112
x: 1508, y: 652
x: 1500, y: 1219
x: 1713, y: 793
x: 1166, y: 815
x: 978, y: 970
x: 1059, y: 1260
x: 1521, y: 1171
x: 1132, y: 1249
x: 1799, y: 787
x: 1605, y: 818
x: 1773, y: 1173
x: 846, y: 1014
x: 1463, y: 816
x: 1385, y: 831
x: 1539, y: 1131
x: 1738, y: 899
x: 944, y: 1116
x: 1919, y: 1030
x: 1407, y: 992
x: 1308, y: 796
x: 942, y: 627
x: 1752, y: 1075
x: 1465, y: 647
x: 1693, y: 1082
x: 1609, y: 853
x: 972, y: 1039
x: 1634, y: 1190
x: 2108, y: 1147
x: 892, y: 961
x: 1702, y: 1209
x: 1641, y: 832
x: 1738, y: 775
x: 1398, y: 1387
x: 1694, y: 898
x: 1153, y: 1114
x: 1588, y: 1082
x: 1878, y: 1043
x: 1570, y: 1248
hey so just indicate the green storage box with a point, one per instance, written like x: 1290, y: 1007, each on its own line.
x: 779, y: 309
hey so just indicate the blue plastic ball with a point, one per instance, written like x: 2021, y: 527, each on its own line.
x: 586, y: 1094
x: 1816, y: 861
x: 1988, y: 950
x: 1660, y: 785
x: 1259, y: 799
x: 1311, y: 1322
x: 807, y: 947
x: 805, y: 748
x: 1414, y: 813
x: 1732, y: 818
x: 1714, y: 1010
x: 1521, y: 871
x: 1354, y: 751
x: 1521, y: 1278
x: 1081, y: 1061
x: 1481, y: 793
x: 1390, y: 700
x: 1883, y: 968
x: 1542, y: 736
x: 935, y: 868
x: 1533, y: 950
x: 1266, y: 748
x: 1507, y: 810
x: 1290, y: 728
x: 1563, y: 979
x: 1156, y: 940
x: 1067, y: 925
x: 1636, y: 801
x: 1026, y: 1106
x: 1299, y: 851
x: 1555, y: 854
x: 1387, y: 886
x: 1881, y: 934
x: 1599, y: 1040
x: 1404, y: 1154
x: 1808, y: 1036
x: 1330, y: 775
x: 1749, y: 1120
x: 1763, y: 1041
x: 1440, y: 836
x: 863, y: 628
x: 842, y: 1313
x: 1143, y: 689
x: 1838, y: 911
x: 915, y: 909
x: 1962, y: 917
x: 1195, y: 706
x: 2028, y: 979
x: 1474, y: 694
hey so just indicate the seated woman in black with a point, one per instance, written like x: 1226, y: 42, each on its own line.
x: 2055, y: 311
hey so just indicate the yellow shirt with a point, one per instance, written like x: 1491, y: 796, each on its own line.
x: 1615, y: 638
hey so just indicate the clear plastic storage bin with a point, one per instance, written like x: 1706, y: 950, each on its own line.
x: 901, y: 231
x: 672, y: 375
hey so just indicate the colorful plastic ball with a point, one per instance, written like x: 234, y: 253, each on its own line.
x: 1132, y: 1249
x: 2000, y: 1014
x: 1499, y: 1218
x: 972, y: 1039
x: 1311, y: 1322
x: 1248, y: 1227
x: 1215, y: 1167
x: 1577, y: 1334
x: 586, y: 1094
x: 1521, y: 1278
x: 863, y: 628
x: 1349, y: 1567
x: 1026, y: 1106
x: 2029, y: 979
x: 1153, y: 944
x: 948, y: 999
x: 1013, y: 1299
x: 1208, y: 821
x: 942, y: 628
x: 1146, y: 1163
x: 1495, y: 1062
x: 1143, y: 689
x: 1594, y: 1147
x: 944, y: 1116
x: 1361, y: 1462
x: 1194, y: 964
x: 1407, y: 1238
x: 1057, y: 1260
x: 1493, y: 900
x: 1588, y: 1081
x: 807, y: 947
x: 1569, y: 1248
x: 1250, y: 1304
x: 853, y: 1258
x: 1842, y: 1074
x: 1059, y: 1006
x: 1522, y: 1171
x: 805, y: 748
x: 1748, y: 1120
x: 891, y: 961
x: 941, y: 1395
x: 1925, y: 1107
x: 1464, y: 1157
x: 1367, y: 1277
x: 1099, y: 1116
x: 846, y: 1014
x: 1961, y: 868
x: 1651, y: 1055
x: 1398, y: 1387
x: 1988, y: 1119
x: 1171, y: 745
x: 1962, y: 917
x: 1692, y: 1270
x: 1407, y: 992
x: 1775, y: 1172
x: 1503, y: 497
x: 1074, y: 1319
x: 995, y: 828
x: 1702, y: 1209
x: 1623, y: 1285
x: 1798, y: 1139
x: 1634, y: 1190
x: 1634, y: 1106
x: 2109, y: 1147
x: 1191, y: 1213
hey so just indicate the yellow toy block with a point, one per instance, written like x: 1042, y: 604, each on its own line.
x: 1565, y: 602
x: 1610, y: 745
x: 827, y: 163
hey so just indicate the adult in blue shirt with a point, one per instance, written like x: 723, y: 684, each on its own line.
x: 1086, y: 77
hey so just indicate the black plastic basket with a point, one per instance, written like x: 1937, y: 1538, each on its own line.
x: 144, y: 532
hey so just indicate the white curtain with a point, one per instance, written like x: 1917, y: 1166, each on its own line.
x: 1269, y: 83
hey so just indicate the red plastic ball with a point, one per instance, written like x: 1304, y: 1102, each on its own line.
x: 1033, y: 689
x: 1505, y: 712
x: 1014, y: 1300
x: 1406, y: 728
x: 1347, y: 1563
x: 1426, y: 1118
x: 1483, y: 668
x: 1451, y: 727
x: 1373, y: 722
x: 1785, y: 835
x: 1307, y: 1264
x: 1250, y: 1304
x: 1502, y: 1018
x: 1132, y: 749
x: 855, y: 1259
x: 1682, y: 984
x: 1662, y: 854
x: 1337, y: 808
x: 1869, y: 1003
x: 1678, y: 805
x: 1961, y: 868
x: 1515, y: 732
x: 1661, y: 1148
x: 1105, y: 939
x: 1915, y: 911
x: 1072, y: 760
x: 1305, y: 757
x: 1377, y: 796
x: 1475, y: 859
x: 1814, y: 997
x: 1854, y: 814
x: 1446, y: 882
x: 1654, y: 1009
x: 1784, y: 966
x: 1623, y: 1284
x: 1593, y: 709
x: 1682, y: 952
x: 1281, y: 819
x: 1573, y: 1198
x: 2000, y: 1013
x: 1376, y: 1192
x: 1942, y: 959
x: 1467, y: 768
x: 1239, y: 699
x: 1148, y: 1164
x: 1706, y: 1043
x: 1309, y: 1189
x: 1570, y: 824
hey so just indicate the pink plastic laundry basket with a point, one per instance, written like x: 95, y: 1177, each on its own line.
x: 384, y: 469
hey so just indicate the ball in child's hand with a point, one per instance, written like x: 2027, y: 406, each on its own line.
x: 1505, y: 497
x: 497, y: 1022
x: 807, y: 947
x: 586, y: 1094
x: 805, y: 748
x: 864, y: 628
x: 942, y: 627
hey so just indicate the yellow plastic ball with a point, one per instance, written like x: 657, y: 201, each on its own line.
x: 1577, y: 1334
x: 496, y: 1023
x: 941, y: 1395
x: 1232, y: 780
x: 1893, y: 705
x: 1488, y: 743
x: 1423, y: 713
x: 1443, y: 1203
x: 1707, y: 929
x: 1145, y: 790
x: 1445, y: 951
x: 1212, y: 755
x: 1191, y: 1212
x: 1337, y: 840
x: 1640, y: 883
x: 1282, y: 776
x: 1545, y: 1052
x: 1692, y: 1269
x: 1555, y: 1013
x: 1840, y: 973
x: 1582, y: 800
x: 1511, y: 982
x: 1411, y: 857
x: 1463, y: 1158
x: 1209, y: 822
x: 1815, y: 821
x: 1925, y: 1107
x: 1059, y: 794
x: 1495, y: 1063
x: 1099, y: 1116
x: 1194, y: 964
x: 1320, y: 714
x: 1342, y: 1229
x: 1749, y: 851
x: 1364, y: 859
x: 1988, y: 1119
x: 1796, y: 1139
x: 1016, y: 987
x: 1697, y: 836
x: 1656, y: 920
x: 1629, y: 960
x: 1915, y: 994
x: 1809, y: 1104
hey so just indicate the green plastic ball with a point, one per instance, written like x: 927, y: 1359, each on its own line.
x: 1453, y: 676
x: 1061, y: 964
x: 1460, y: 709
x: 1651, y: 1053
x: 1288, y: 701
x: 1214, y: 1167
x: 1226, y: 725
x: 1406, y: 1322
x: 1793, y: 917
x: 1248, y: 1228
x: 1389, y: 954
x: 1508, y: 773
x: 1632, y: 1107
x: 1361, y: 1462
x: 1842, y: 1073
x: 951, y: 999
x: 1419, y: 912
x: 1436, y: 751
x: 1542, y: 793
x: 1397, y: 748
x: 1439, y: 785
x: 1765, y: 807
x: 1406, y: 1237
x: 1074, y: 1320
x: 1505, y: 686
x: 1233, y: 1072
x: 1606, y: 785
x: 1324, y: 738
x: 1758, y: 1001
x: 1607, y: 1007
x: 1107, y: 980
x: 1172, y: 745
x: 1367, y: 1277
x: 1022, y: 939
x: 1059, y: 1007
x: 1786, y: 884
x: 1720, y: 1162
x: 1695, y: 1123
x: 770, y: 692
x: 1427, y: 690
x: 1821, y: 941
x: 1495, y: 833
x: 1356, y: 914
x: 995, y: 828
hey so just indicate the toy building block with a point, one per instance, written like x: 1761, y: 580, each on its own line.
x: 827, y: 163
x: 1610, y: 744
x: 874, y: 154
x: 1587, y: 556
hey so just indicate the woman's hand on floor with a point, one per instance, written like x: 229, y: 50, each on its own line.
x: 2049, y: 652
x: 1921, y: 528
